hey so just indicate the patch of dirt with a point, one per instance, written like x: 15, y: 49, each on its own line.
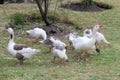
x: 2, y: 29
x: 53, y: 30
x: 81, y: 7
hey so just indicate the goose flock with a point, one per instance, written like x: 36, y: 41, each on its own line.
x: 81, y: 44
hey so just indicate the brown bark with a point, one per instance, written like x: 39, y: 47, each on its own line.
x: 44, y: 11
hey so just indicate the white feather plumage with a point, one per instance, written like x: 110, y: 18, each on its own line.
x: 57, y: 42
x: 60, y: 53
x: 26, y: 52
x: 99, y: 36
x: 61, y: 50
x: 84, y: 43
x: 37, y: 32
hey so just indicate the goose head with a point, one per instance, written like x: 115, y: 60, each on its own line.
x: 96, y: 28
x: 57, y: 42
x: 10, y: 30
x: 47, y: 42
x: 67, y: 60
x: 73, y: 36
x: 87, y: 32
x: 29, y: 32
x: 52, y: 39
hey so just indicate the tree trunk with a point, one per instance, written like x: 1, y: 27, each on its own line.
x: 1, y: 1
x: 44, y: 11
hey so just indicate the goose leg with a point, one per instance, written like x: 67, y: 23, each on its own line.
x: 78, y: 58
x: 85, y: 56
x: 50, y: 50
x: 65, y: 63
x: 54, y: 59
x: 20, y: 58
x: 20, y: 62
x: 97, y: 49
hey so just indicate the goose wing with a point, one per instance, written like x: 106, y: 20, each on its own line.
x: 27, y: 52
x: 19, y: 46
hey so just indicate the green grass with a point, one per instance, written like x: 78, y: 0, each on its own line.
x: 104, y: 66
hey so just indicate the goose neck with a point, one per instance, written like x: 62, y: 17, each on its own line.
x: 11, y: 36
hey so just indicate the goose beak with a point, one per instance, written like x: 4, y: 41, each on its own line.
x: 100, y: 26
x: 27, y: 33
x: 67, y: 60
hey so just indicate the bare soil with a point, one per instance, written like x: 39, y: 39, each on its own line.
x: 82, y: 7
x: 53, y: 30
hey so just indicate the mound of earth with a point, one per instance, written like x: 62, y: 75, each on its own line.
x: 53, y: 30
x: 91, y: 8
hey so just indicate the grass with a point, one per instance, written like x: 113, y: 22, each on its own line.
x: 104, y: 66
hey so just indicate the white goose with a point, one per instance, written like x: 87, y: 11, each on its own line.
x: 88, y: 33
x: 19, y: 51
x: 36, y: 33
x: 75, y: 35
x: 99, y: 36
x: 59, y: 49
x: 84, y: 43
